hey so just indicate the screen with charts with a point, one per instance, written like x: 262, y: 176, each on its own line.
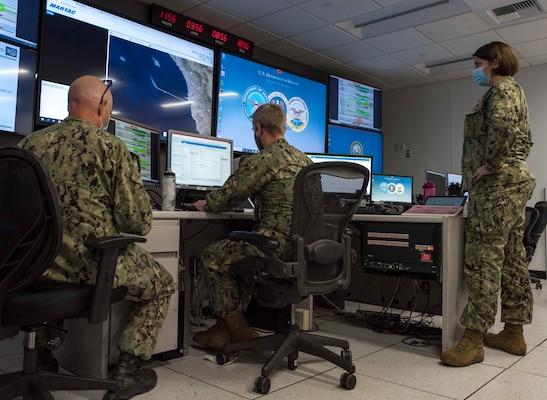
x: 391, y: 189
x: 199, y: 162
x: 354, y: 104
x: 365, y: 161
x: 19, y: 21
x: 244, y: 85
x: 160, y: 79
x: 142, y: 140
x: 345, y: 140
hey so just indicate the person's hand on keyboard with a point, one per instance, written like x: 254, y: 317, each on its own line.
x: 200, y: 204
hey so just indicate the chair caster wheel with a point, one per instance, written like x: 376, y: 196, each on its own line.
x: 346, y: 354
x: 539, y: 286
x: 111, y: 396
x: 262, y: 385
x: 348, y: 381
x: 291, y: 361
x: 222, y: 358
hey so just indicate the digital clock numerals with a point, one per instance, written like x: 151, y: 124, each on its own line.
x: 168, y: 16
x: 194, y: 26
x: 223, y: 37
x: 243, y: 44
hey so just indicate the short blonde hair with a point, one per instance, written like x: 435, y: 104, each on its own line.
x: 271, y: 117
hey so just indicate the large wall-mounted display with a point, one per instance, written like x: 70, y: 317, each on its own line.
x: 159, y: 79
x: 18, y: 42
x: 345, y: 140
x: 244, y: 85
x: 354, y: 104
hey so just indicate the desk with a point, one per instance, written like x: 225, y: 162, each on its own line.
x: 454, y: 290
x: 167, y: 243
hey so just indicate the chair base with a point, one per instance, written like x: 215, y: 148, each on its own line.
x: 288, y: 344
x: 37, y: 386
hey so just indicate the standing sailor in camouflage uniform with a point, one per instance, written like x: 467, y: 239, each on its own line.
x: 268, y: 175
x: 497, y: 141
x: 101, y: 193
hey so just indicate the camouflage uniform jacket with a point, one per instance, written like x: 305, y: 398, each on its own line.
x: 497, y: 132
x: 99, y: 188
x: 268, y: 176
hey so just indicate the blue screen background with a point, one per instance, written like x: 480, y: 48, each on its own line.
x: 391, y: 189
x: 343, y: 140
x: 244, y: 83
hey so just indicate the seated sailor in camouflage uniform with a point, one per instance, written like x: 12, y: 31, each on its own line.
x: 268, y: 176
x: 100, y: 193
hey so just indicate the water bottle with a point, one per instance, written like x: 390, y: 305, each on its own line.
x: 168, y: 192
x: 429, y: 189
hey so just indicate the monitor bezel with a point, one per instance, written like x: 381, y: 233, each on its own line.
x: 155, y: 151
x: 395, y: 203
x: 203, y: 188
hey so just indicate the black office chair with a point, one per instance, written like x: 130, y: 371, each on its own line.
x: 30, y: 238
x: 536, y: 220
x: 326, y: 196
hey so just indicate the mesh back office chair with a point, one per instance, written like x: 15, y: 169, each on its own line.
x: 30, y: 238
x: 536, y: 220
x: 325, y: 198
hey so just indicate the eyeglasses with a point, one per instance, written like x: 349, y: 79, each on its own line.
x: 108, y: 83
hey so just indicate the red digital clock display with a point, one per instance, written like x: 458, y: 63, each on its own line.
x: 171, y: 20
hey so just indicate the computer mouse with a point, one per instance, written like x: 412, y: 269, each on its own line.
x: 389, y: 211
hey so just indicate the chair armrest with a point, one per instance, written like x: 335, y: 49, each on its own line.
x: 262, y: 242
x: 110, y: 247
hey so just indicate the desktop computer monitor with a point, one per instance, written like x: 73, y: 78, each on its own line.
x: 141, y: 140
x: 392, y: 189
x: 365, y: 161
x: 199, y: 162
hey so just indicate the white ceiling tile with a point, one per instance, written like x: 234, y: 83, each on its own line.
x: 466, y: 46
x: 259, y: 36
x: 352, y: 52
x: 290, y: 22
x: 288, y: 49
x: 323, y: 38
x: 375, y: 64
x: 524, y: 32
x: 537, y: 60
x: 248, y: 9
x: 422, y: 54
x: 531, y: 49
x: 450, y: 28
x: 399, y: 74
x: 400, y: 40
x: 338, y: 10
x: 222, y: 20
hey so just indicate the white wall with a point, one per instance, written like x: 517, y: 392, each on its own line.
x: 429, y: 119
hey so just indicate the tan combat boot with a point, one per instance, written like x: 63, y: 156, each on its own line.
x: 468, y: 351
x: 510, y: 339
x: 216, y: 337
x: 239, y: 329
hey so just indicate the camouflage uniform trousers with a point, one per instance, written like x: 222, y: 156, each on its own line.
x: 149, y: 289
x: 495, y: 257
x: 229, y: 293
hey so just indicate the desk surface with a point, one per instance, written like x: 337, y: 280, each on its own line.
x: 249, y: 215
x: 245, y: 215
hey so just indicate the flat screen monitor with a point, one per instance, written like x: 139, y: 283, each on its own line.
x: 392, y: 189
x: 19, y: 21
x: 345, y: 140
x: 142, y: 140
x: 354, y: 104
x: 160, y: 79
x: 244, y: 85
x: 453, y: 179
x: 365, y: 161
x: 199, y: 162
x: 17, y: 84
x: 439, y: 179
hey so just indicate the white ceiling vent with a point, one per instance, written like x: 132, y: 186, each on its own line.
x: 516, y: 11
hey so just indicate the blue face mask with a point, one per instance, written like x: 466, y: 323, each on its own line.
x: 480, y: 78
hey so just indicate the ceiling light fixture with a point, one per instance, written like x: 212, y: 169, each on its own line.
x: 404, y: 8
